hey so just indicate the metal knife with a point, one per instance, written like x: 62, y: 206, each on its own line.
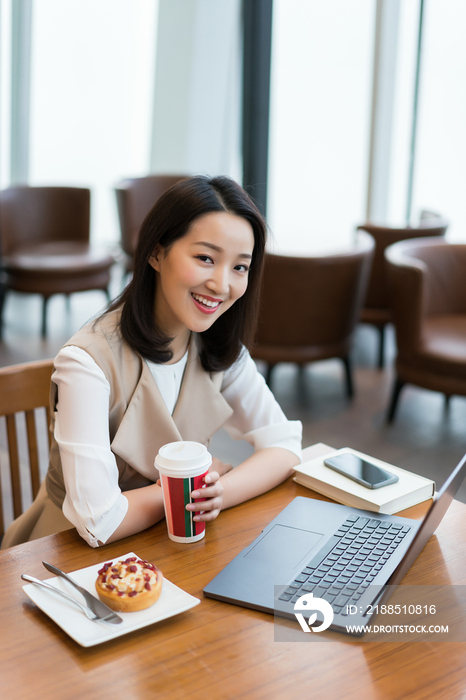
x: 87, y: 611
x: 92, y: 602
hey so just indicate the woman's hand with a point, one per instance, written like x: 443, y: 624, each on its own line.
x: 212, y: 492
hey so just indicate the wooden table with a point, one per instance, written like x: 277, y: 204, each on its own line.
x: 218, y: 650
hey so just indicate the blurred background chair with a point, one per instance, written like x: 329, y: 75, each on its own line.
x: 44, y: 237
x: 2, y: 297
x: 23, y: 388
x: 428, y: 295
x: 135, y: 198
x: 310, y: 307
x: 376, y: 309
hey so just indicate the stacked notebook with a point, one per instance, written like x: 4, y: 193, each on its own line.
x: 409, y: 490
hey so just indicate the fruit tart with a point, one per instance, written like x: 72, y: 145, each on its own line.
x: 129, y: 585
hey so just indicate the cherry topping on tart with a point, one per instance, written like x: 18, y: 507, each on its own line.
x: 129, y: 585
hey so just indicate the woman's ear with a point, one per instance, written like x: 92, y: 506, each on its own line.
x: 155, y: 258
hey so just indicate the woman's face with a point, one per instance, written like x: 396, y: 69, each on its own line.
x: 203, y: 273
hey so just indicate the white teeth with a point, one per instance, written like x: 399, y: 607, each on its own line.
x: 204, y: 301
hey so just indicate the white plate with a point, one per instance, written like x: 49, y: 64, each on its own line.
x: 172, y: 601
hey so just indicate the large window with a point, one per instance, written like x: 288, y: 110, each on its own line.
x: 91, y: 97
x: 323, y: 57
x: 90, y: 109
x: 320, y: 121
x: 439, y: 172
x: 5, y: 91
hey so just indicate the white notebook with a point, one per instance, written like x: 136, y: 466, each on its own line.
x: 409, y: 490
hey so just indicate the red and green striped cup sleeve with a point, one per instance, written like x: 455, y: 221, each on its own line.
x: 177, y: 494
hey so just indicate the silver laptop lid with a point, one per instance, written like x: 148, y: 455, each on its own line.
x: 437, y: 510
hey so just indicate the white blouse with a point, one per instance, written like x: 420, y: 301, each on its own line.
x: 94, y: 502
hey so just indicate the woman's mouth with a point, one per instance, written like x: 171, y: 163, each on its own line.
x: 207, y: 305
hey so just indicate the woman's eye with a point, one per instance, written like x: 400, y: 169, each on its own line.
x: 242, y: 268
x: 205, y: 258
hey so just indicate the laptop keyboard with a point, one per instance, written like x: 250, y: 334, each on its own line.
x: 348, y: 563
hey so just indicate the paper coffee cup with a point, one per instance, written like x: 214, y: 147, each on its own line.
x: 182, y: 467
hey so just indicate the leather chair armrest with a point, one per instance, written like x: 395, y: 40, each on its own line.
x: 406, y: 278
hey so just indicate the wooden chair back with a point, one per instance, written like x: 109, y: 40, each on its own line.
x: 23, y: 388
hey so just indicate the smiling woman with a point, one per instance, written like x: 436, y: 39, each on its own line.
x: 201, y: 276
x: 166, y: 362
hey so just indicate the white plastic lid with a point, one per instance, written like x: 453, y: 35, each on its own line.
x: 183, y: 458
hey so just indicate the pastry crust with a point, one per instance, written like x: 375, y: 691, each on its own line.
x: 129, y: 585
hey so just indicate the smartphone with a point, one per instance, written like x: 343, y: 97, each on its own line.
x: 361, y: 471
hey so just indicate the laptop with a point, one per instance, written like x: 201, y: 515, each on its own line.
x: 342, y: 554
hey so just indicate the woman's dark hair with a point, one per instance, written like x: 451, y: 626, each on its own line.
x: 169, y: 220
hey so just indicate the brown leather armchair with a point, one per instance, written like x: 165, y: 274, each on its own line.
x: 44, y: 236
x: 376, y: 310
x: 428, y: 297
x: 310, y: 307
x: 135, y: 198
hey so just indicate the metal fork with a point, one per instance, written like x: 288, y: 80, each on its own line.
x: 97, y: 606
x: 87, y: 611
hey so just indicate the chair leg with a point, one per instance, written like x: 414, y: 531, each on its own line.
x: 44, y: 317
x: 381, y: 347
x: 349, y: 377
x: 399, y: 384
x: 268, y: 374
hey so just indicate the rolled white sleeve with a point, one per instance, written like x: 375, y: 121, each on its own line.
x: 94, y: 502
x: 257, y: 417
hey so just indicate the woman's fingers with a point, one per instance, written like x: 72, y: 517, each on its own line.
x: 206, y: 515
x: 209, y: 498
x: 206, y: 510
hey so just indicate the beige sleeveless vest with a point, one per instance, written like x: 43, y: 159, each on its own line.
x: 139, y: 420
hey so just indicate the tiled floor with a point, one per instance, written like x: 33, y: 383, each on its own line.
x: 425, y: 437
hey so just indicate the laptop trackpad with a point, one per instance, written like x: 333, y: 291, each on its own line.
x: 284, y: 546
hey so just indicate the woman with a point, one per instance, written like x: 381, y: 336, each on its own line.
x: 184, y: 321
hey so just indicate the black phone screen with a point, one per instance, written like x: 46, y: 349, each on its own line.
x: 361, y: 471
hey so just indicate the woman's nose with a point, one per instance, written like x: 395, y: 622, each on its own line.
x: 220, y: 280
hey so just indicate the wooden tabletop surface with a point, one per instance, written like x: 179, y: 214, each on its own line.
x: 217, y: 650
